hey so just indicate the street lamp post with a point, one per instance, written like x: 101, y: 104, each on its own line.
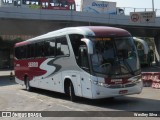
x: 153, y: 5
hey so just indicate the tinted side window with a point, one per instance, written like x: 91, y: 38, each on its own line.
x: 52, y: 46
x: 17, y: 53
x: 75, y: 41
x: 49, y: 47
x: 30, y: 51
x: 39, y: 48
x: 46, y: 48
x: 20, y: 52
x: 24, y: 53
x: 62, y: 46
x: 58, y: 48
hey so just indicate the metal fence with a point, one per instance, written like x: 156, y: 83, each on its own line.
x: 127, y: 10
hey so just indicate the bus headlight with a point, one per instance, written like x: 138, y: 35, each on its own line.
x: 138, y: 79
x: 100, y: 83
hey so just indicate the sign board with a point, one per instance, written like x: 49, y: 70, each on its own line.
x: 135, y: 17
x: 148, y: 17
x: 143, y: 17
x: 99, y: 6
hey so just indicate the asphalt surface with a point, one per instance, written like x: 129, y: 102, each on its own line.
x: 14, y: 97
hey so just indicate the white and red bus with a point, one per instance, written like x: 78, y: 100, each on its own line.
x: 91, y: 62
x: 58, y: 4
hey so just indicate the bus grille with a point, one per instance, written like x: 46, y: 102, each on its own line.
x: 122, y: 86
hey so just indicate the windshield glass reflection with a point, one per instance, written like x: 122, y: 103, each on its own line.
x: 115, y: 56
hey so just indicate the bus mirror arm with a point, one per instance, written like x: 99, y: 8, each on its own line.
x: 89, y: 45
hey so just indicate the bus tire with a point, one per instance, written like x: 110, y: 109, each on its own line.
x: 72, y: 93
x: 27, y: 84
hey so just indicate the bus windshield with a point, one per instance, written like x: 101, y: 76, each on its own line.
x: 114, y: 56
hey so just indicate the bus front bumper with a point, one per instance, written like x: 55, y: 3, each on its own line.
x: 106, y: 92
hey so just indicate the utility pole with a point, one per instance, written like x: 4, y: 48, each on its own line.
x: 153, y: 5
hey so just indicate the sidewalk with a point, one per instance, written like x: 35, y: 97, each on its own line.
x: 6, y: 72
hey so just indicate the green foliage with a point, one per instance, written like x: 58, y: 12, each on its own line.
x: 18, y: 39
x: 35, y: 6
x: 7, y: 43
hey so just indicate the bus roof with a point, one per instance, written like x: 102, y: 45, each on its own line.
x: 84, y: 30
x: 109, y: 31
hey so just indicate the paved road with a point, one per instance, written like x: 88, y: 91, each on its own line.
x: 14, y: 97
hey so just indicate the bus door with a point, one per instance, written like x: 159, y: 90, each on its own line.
x: 84, y: 74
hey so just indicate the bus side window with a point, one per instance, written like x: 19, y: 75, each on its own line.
x: 62, y: 46
x: 40, y: 49
x: 30, y: 51
x: 20, y: 52
x: 36, y: 50
x: 75, y: 42
x: 83, y: 58
x: 46, y: 48
x: 58, y: 47
x: 17, y: 53
x: 52, y: 46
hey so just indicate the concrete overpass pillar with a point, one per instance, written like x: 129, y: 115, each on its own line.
x: 157, y: 49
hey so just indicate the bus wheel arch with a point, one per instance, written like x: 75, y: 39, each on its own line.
x: 69, y: 89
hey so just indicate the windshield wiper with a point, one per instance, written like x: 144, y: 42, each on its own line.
x: 128, y: 66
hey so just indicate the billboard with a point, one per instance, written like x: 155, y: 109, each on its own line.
x: 99, y: 7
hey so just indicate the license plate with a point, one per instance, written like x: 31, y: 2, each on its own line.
x: 123, y: 91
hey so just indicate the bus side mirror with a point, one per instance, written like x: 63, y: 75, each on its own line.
x: 89, y: 45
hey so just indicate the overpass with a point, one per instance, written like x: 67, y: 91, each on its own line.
x: 37, y: 21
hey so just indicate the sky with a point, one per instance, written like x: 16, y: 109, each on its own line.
x: 137, y: 3
x: 134, y: 3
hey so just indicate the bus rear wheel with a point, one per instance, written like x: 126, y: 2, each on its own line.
x: 27, y: 84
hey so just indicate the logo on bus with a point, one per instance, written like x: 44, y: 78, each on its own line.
x: 33, y: 64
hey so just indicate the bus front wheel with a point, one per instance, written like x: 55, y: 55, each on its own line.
x: 71, y: 92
